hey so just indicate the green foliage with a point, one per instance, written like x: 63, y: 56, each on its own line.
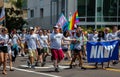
x: 17, y: 3
x: 13, y: 19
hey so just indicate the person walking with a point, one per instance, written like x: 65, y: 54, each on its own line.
x: 3, y: 49
x: 55, y: 40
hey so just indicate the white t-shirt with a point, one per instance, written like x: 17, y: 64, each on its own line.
x: 32, y: 41
x: 78, y: 44
x: 41, y: 41
x: 4, y: 38
x: 95, y: 37
x: 114, y: 36
x: 9, y: 46
x: 107, y: 37
x: 15, y: 39
x: 44, y: 38
x: 67, y: 43
x: 22, y: 36
x: 56, y: 40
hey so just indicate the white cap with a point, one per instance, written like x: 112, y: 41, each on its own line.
x: 56, y: 26
x: 31, y: 28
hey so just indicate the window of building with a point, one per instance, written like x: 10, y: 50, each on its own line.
x: 41, y: 12
x: 32, y: 13
x: 63, y: 7
x: 86, y: 10
x: 96, y: 12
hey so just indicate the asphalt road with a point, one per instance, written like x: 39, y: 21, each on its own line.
x: 22, y: 70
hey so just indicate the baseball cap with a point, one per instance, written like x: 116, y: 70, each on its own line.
x: 31, y: 28
x: 56, y: 26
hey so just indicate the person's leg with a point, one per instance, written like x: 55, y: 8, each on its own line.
x: 38, y: 57
x: 60, y: 55
x: 73, y: 59
x: 45, y: 54
x: 84, y: 52
x: 103, y: 65
x: 16, y: 51
x: 1, y: 58
x: 54, y: 53
x: 4, y: 63
x: 22, y: 52
x: 55, y: 63
x: 31, y: 58
x: 10, y: 63
x: 80, y: 58
x: 108, y: 64
x: 69, y: 54
x: 96, y: 65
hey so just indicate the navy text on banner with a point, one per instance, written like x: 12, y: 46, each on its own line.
x: 102, y: 51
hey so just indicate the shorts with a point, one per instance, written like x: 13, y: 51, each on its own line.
x: 32, y: 53
x: 39, y: 51
x: 82, y: 48
x: 4, y: 49
x: 57, y: 54
x: 22, y: 45
x: 65, y: 49
x: 77, y: 50
x: 44, y: 49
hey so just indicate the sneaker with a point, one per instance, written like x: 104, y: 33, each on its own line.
x: 115, y: 62
x: 32, y: 66
x: 65, y: 58
x: 44, y: 60
x: 57, y: 70
x: 84, y: 58
x: 37, y: 64
x: 70, y: 66
x: 4, y: 72
x: 22, y: 55
x: 19, y: 55
x: 11, y: 69
x: 28, y: 63
x: 83, y: 68
x: 43, y: 64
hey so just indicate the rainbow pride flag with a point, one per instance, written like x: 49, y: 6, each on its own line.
x: 74, y: 19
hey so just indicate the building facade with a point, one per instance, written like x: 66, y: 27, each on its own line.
x: 93, y: 13
x: 45, y: 13
x: 99, y: 12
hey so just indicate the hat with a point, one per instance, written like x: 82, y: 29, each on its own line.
x: 56, y: 26
x: 31, y: 28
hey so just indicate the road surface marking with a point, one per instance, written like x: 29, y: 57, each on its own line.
x: 48, y: 66
x: 39, y: 73
x: 25, y: 66
x: 87, y: 66
x: 107, y: 69
x: 111, y: 69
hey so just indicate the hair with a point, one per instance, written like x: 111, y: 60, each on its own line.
x: 101, y: 35
x: 78, y: 34
x: 66, y: 33
x: 4, y: 29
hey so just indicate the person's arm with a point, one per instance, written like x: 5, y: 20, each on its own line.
x: 73, y: 39
x: 1, y: 42
x: 38, y: 42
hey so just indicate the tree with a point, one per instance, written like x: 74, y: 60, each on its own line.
x: 14, y: 18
